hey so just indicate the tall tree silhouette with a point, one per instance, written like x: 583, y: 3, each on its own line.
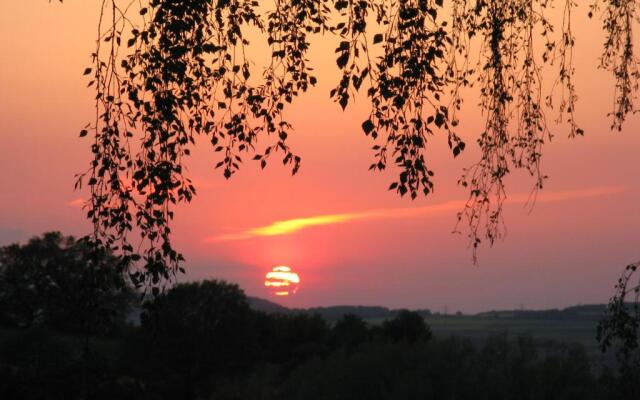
x: 60, y: 282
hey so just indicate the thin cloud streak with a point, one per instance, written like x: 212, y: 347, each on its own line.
x: 294, y: 225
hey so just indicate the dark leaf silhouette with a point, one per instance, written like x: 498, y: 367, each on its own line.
x: 183, y: 71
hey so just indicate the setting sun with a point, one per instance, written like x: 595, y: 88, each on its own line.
x: 282, y: 281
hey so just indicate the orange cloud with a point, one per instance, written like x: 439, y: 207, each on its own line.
x: 294, y: 225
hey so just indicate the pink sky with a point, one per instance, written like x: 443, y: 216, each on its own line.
x: 351, y: 241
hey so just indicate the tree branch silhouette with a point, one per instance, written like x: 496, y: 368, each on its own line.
x: 166, y: 72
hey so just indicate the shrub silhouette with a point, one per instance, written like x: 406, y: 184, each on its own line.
x: 406, y: 326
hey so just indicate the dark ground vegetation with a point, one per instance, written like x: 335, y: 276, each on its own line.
x: 68, y: 333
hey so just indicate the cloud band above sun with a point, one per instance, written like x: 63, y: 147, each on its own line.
x: 290, y: 226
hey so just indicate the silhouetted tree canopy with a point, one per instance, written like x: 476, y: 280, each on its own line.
x: 407, y: 326
x: 193, y: 331
x: 59, y: 282
x: 350, y: 331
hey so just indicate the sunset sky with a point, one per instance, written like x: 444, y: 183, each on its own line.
x: 335, y: 224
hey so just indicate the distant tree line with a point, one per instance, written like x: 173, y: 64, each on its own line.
x: 334, y: 313
x: 589, y: 312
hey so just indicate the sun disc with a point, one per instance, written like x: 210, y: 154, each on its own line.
x: 282, y: 281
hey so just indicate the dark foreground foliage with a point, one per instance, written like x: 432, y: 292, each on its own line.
x: 203, y: 341
x: 64, y: 284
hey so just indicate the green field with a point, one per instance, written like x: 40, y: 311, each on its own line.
x: 544, y: 331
